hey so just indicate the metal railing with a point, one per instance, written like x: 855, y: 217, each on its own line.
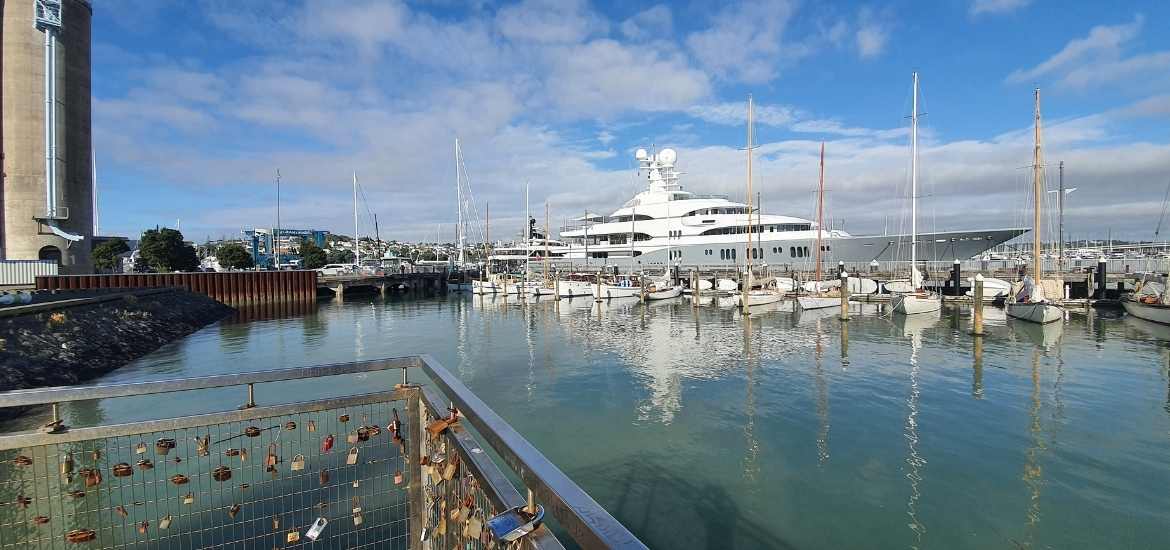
x: 348, y: 471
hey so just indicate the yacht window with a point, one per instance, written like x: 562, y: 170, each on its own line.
x: 733, y: 253
x: 792, y: 251
x: 722, y: 256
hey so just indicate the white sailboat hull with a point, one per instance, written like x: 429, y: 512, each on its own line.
x: 485, y: 287
x: 912, y: 304
x: 610, y: 291
x: 1155, y: 313
x: 1035, y: 312
x: 673, y: 292
x: 817, y: 302
x: 759, y: 298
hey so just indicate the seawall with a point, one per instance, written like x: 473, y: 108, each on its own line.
x: 72, y: 340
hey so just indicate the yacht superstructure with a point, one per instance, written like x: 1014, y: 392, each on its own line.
x: 666, y: 225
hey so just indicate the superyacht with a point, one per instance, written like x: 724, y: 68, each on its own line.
x: 665, y: 225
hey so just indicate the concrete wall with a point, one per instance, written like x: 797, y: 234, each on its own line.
x: 22, y: 101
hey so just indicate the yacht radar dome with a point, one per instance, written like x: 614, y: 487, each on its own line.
x: 640, y: 154
x: 667, y: 157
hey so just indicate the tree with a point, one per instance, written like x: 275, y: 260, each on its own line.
x: 105, y: 255
x: 234, y: 256
x: 312, y: 256
x: 339, y: 256
x: 164, y: 251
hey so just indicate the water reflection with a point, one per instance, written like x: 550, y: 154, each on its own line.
x: 912, y: 326
x: 742, y: 434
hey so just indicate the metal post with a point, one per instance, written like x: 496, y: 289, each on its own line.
x: 1101, y: 275
x: 844, y: 292
x: 556, y: 285
x: 977, y: 375
x: 956, y: 286
x: 642, y: 284
x: 694, y: 288
x: 251, y: 397
x: 598, y: 285
x: 977, y: 307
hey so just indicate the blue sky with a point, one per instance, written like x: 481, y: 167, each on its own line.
x: 198, y: 103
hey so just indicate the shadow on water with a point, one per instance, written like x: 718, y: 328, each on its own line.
x: 643, y: 494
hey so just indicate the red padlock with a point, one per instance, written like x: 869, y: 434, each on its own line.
x: 327, y: 443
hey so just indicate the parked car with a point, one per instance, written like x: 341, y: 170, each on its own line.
x: 335, y: 269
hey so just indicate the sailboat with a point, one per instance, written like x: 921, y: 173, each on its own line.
x: 918, y: 300
x: 487, y: 283
x: 820, y: 297
x: 752, y: 297
x: 1028, y: 302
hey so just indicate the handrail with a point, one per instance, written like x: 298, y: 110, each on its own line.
x: 46, y: 396
x: 585, y: 520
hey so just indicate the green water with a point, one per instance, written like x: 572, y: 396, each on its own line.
x: 700, y: 429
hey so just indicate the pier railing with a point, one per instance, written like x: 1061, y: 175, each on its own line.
x: 374, y: 470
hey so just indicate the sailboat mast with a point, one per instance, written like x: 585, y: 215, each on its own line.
x: 458, y: 205
x: 357, y: 249
x: 487, y: 236
x: 748, y: 256
x: 276, y: 233
x: 1037, y: 191
x: 527, y: 233
x: 820, y: 212
x: 914, y: 185
x: 546, y: 240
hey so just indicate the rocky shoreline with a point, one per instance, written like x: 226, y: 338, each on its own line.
x: 78, y: 340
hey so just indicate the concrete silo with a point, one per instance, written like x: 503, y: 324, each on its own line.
x: 47, y: 190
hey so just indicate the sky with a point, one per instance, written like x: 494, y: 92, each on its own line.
x: 198, y: 104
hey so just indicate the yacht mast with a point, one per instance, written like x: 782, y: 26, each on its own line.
x: 914, y: 185
x: 487, y: 237
x: 820, y: 213
x: 1038, y: 191
x: 357, y: 249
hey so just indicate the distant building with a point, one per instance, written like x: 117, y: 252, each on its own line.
x: 285, y: 247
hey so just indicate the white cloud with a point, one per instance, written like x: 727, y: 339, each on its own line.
x: 872, y: 33
x: 745, y: 41
x: 871, y: 40
x: 1100, y: 49
x: 549, y: 21
x: 783, y: 116
x: 604, y: 77
x: 735, y: 114
x: 605, y: 137
x: 654, y: 22
x: 980, y: 7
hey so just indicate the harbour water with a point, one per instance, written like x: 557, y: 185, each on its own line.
x: 698, y: 428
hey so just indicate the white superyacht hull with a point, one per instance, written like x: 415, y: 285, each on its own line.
x: 778, y: 248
